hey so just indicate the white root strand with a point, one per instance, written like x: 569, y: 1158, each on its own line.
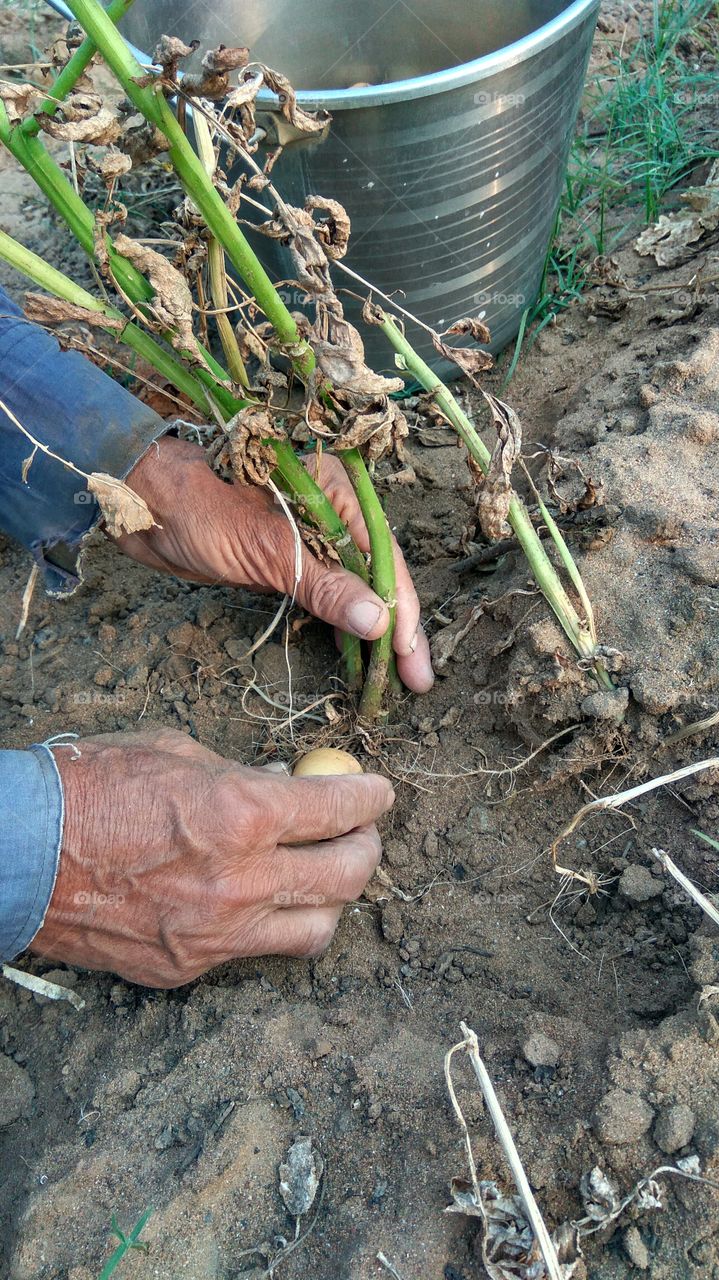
x: 542, y: 1236
x: 687, y: 885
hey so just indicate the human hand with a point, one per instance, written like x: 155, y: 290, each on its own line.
x: 215, y: 532
x: 175, y: 860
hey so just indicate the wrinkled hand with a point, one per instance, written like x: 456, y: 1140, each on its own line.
x: 215, y: 532
x: 175, y: 860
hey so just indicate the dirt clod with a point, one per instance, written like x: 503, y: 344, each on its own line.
x: 16, y: 1092
x: 674, y: 1128
x: 637, y: 884
x: 622, y: 1117
x: 541, y: 1051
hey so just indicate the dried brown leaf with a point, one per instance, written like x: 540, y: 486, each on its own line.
x: 495, y: 488
x: 251, y: 457
x: 301, y: 121
x: 45, y: 310
x: 20, y: 100
x: 377, y: 429
x: 169, y: 52
x: 471, y: 325
x: 214, y: 80
x: 340, y: 358
x: 124, y: 510
x: 669, y: 239
x: 471, y: 360
x: 333, y: 231
x: 114, y: 165
x: 172, y: 303
x: 100, y: 130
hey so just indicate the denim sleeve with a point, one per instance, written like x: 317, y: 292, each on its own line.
x: 80, y: 413
x: 31, y: 814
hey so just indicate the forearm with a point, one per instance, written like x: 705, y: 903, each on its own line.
x: 82, y: 415
x: 31, y: 821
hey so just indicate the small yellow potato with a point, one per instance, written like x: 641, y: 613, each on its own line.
x: 324, y: 762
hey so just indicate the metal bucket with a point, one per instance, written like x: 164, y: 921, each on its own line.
x: 449, y: 161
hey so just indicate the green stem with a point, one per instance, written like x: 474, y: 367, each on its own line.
x: 49, y: 278
x: 73, y: 70
x: 544, y: 571
x: 383, y: 580
x: 191, y: 172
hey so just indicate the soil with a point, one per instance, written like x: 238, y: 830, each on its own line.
x: 188, y: 1100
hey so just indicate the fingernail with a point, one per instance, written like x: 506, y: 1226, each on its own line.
x: 363, y: 617
x: 413, y: 641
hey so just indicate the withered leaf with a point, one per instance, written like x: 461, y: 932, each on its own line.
x: 300, y: 1177
x: 495, y: 488
x: 20, y: 100
x: 302, y: 121
x: 114, y: 165
x: 142, y: 141
x: 471, y: 360
x: 471, y: 325
x: 509, y: 1248
x: 340, y: 358
x: 445, y: 643
x: 377, y: 429
x: 83, y: 117
x: 214, y: 80
x: 333, y: 231
x: 43, y: 309
x: 251, y: 457
x: 123, y: 509
x: 169, y: 52
x: 668, y: 240
x: 172, y: 303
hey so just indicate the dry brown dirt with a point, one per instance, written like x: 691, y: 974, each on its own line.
x: 188, y: 1100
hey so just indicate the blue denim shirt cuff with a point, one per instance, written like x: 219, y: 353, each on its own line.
x: 31, y: 819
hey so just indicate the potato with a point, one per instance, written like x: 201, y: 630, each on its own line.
x: 324, y: 762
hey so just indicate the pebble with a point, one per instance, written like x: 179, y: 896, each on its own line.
x: 391, y: 921
x: 540, y: 1050
x: 104, y: 676
x: 637, y: 884
x: 16, y: 1092
x: 635, y: 1248
x: 606, y: 706
x: 318, y: 1048
x: 622, y: 1117
x: 674, y: 1128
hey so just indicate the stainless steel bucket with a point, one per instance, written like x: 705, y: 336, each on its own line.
x: 449, y: 160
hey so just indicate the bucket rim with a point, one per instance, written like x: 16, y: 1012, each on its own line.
x: 424, y: 86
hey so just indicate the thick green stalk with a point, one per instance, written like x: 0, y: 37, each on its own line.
x: 47, y: 277
x: 73, y: 70
x: 544, y: 571
x: 150, y: 100
x: 315, y: 507
x: 383, y: 580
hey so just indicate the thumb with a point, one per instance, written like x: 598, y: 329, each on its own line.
x: 341, y: 599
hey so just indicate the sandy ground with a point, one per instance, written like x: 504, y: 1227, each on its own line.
x: 189, y: 1100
